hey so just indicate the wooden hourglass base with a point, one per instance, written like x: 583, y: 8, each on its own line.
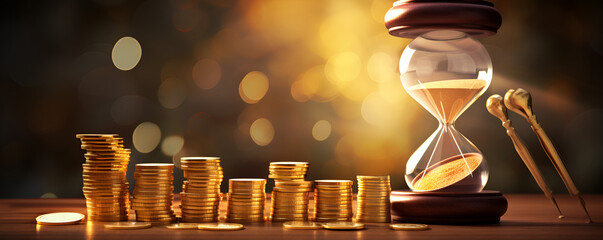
x: 448, y: 207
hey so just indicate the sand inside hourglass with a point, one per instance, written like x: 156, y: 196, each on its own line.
x: 447, y: 99
x: 447, y: 172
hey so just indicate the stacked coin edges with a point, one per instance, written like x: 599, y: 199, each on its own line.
x: 290, y: 193
x: 104, y: 177
x: 333, y: 200
x: 246, y: 200
x: 153, y: 194
x: 200, y: 196
x: 373, y: 204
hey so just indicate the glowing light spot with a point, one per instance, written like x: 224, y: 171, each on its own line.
x: 381, y: 67
x: 48, y: 195
x: 321, y: 130
x: 313, y: 84
x: 146, y: 137
x: 186, y: 19
x: 126, y: 53
x: 207, y: 73
x: 297, y: 92
x: 171, y: 93
x: 378, y: 111
x: 343, y: 67
x: 172, y: 145
x: 253, y: 87
x: 261, y: 131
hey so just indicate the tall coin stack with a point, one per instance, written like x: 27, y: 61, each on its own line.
x: 104, y: 175
x: 373, y: 203
x: 333, y: 201
x: 246, y: 200
x: 153, y: 192
x: 290, y: 192
x: 201, y: 192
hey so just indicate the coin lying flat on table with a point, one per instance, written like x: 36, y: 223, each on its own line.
x: 128, y: 225
x: 343, y: 226
x: 302, y: 225
x: 409, y: 227
x: 60, y: 218
x: 220, y: 226
x: 183, y: 226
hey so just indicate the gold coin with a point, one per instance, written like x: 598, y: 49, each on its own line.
x: 409, y: 227
x: 333, y: 182
x: 182, y: 226
x: 95, y: 135
x: 247, y: 180
x: 60, y: 218
x: 290, y: 163
x: 343, y: 226
x: 220, y: 226
x: 127, y: 225
x: 200, y: 159
x: 153, y: 219
x: 302, y: 225
x: 286, y: 176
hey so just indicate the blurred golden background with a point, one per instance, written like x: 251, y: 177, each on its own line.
x: 277, y: 80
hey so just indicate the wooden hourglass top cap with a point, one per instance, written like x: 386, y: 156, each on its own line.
x: 411, y: 18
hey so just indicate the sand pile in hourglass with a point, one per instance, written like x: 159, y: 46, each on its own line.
x: 447, y: 172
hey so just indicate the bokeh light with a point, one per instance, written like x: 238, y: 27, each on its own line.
x: 207, y: 73
x: 146, y: 137
x: 382, y: 67
x: 253, y: 87
x: 321, y: 130
x: 126, y: 53
x: 343, y: 67
x: 261, y: 131
x: 49, y: 195
x: 171, y: 93
x: 172, y: 145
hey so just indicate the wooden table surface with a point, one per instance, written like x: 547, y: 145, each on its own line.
x: 528, y: 217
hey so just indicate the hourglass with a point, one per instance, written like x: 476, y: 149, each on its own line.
x: 445, y: 70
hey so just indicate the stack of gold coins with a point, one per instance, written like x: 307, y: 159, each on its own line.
x: 373, y: 199
x: 333, y: 200
x: 288, y: 171
x: 246, y: 200
x: 104, y: 174
x: 153, y: 192
x: 290, y: 192
x: 290, y: 200
x: 201, y: 192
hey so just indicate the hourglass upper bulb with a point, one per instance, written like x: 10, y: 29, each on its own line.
x: 445, y: 59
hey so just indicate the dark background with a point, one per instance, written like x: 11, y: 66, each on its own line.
x: 57, y: 79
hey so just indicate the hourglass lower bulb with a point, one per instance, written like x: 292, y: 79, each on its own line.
x: 446, y: 71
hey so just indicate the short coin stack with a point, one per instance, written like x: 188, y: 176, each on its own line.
x: 153, y: 192
x: 333, y: 201
x: 288, y: 171
x: 104, y: 174
x: 290, y: 192
x: 373, y: 199
x: 246, y: 200
x: 201, y: 192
